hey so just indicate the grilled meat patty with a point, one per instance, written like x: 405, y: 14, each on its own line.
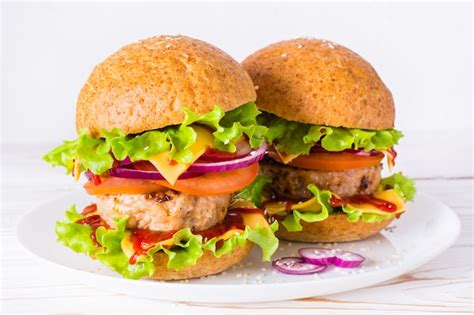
x: 291, y: 182
x: 164, y: 211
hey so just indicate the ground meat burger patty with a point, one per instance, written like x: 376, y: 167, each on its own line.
x: 164, y: 211
x: 291, y: 182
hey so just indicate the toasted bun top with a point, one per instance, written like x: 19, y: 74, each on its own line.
x: 322, y: 83
x: 147, y: 84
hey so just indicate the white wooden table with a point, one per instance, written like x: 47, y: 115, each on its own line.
x: 440, y: 161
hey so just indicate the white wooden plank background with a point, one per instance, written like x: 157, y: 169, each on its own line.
x: 440, y: 161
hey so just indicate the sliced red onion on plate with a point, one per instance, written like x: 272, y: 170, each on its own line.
x: 344, y: 259
x: 317, y: 256
x: 336, y: 257
x: 295, y: 266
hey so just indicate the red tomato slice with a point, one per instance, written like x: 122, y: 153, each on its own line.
x: 335, y: 161
x: 204, y: 185
x: 216, y: 183
x: 117, y: 185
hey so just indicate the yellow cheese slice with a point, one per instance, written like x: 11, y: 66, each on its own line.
x: 280, y: 206
x: 171, y: 171
x: 254, y: 219
x: 241, y: 203
x: 286, y: 157
x: 127, y: 245
x: 76, y: 170
x: 388, y: 195
x: 229, y: 234
x: 313, y: 205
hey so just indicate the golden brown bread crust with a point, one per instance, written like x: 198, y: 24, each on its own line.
x: 206, y: 265
x: 322, y: 83
x: 336, y: 228
x: 146, y: 85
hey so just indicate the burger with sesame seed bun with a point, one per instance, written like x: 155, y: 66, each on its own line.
x: 330, y: 122
x: 167, y: 135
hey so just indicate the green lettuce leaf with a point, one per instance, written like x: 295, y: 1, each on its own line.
x: 75, y: 236
x: 404, y: 186
x: 111, y: 253
x: 298, y: 138
x: 261, y: 236
x: 264, y: 238
x: 186, y: 250
x: 354, y: 215
x: 138, y: 147
x: 95, y: 153
x: 292, y: 220
x: 254, y: 191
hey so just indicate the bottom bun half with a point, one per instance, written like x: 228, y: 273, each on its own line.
x: 336, y: 228
x: 207, y: 265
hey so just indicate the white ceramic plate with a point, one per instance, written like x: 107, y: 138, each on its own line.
x: 428, y: 228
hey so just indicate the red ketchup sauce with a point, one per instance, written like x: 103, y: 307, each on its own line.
x: 233, y: 220
x: 143, y: 239
x: 381, y: 204
x: 89, y: 209
x: 288, y: 204
x: 393, y: 153
x: 95, y: 179
x: 247, y: 210
x: 94, y: 221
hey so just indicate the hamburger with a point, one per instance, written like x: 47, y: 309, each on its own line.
x: 330, y: 122
x: 167, y: 137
